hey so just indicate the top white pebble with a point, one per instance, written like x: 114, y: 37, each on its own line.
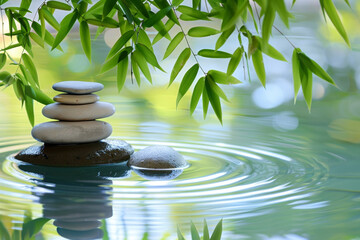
x: 78, y: 87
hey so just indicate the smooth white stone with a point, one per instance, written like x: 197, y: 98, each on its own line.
x: 78, y: 112
x: 76, y: 99
x: 71, y: 132
x: 78, y: 87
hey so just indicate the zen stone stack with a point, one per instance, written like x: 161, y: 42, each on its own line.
x: 77, y: 111
x: 75, y: 139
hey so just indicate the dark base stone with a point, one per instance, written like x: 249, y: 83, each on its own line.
x: 77, y: 155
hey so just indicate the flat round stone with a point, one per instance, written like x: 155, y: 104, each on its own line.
x: 157, y: 157
x: 71, y: 132
x: 78, y: 87
x: 78, y: 112
x: 110, y: 153
x: 76, y: 99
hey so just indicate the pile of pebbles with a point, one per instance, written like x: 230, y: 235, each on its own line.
x: 77, y: 110
x: 77, y: 138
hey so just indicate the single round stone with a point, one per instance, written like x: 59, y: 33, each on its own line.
x: 71, y: 132
x: 78, y: 87
x: 75, y: 155
x: 78, y: 112
x: 76, y: 99
x: 157, y: 157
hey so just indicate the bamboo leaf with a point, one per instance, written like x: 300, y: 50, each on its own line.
x: 2, y: 60
x: 222, y: 78
x: 136, y: 70
x: 142, y: 65
x: 122, y: 72
x: 85, y: 39
x: 156, y: 17
x: 111, y: 63
x: 31, y: 228
x: 268, y: 23
x: 29, y: 106
x: 306, y: 84
x: 65, y: 26
x: 30, y: 67
x: 141, y: 7
x: 296, y: 73
x: 36, y: 38
x: 127, y: 11
x: 268, y: 49
x: 180, y: 236
x: 50, y: 18
x: 106, y: 22
x: 25, y: 4
x: 186, y: 82
x: 194, y: 232
x: 193, y: 12
x: 198, y: 90
x: 234, y: 61
x: 216, y: 235
x: 179, y: 64
x: 335, y: 19
x: 282, y: 11
x: 144, y: 39
x: 58, y: 5
x: 42, y: 21
x: 108, y: 6
x: 215, y: 103
x: 216, y: 89
x: 206, y: 231
x: 148, y: 55
x: 37, y: 95
x: 315, y: 68
x: 202, y: 31
x: 27, y: 78
x: 259, y: 66
x: 173, y: 44
x: 223, y: 37
x: 4, y: 233
x: 205, y: 102
x: 209, y: 53
x: 120, y: 43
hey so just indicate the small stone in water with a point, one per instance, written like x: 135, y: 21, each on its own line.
x: 79, y: 226
x: 78, y: 112
x: 76, y: 99
x: 78, y: 87
x: 157, y: 157
x: 81, y: 235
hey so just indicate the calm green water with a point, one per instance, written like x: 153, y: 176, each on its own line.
x: 272, y: 171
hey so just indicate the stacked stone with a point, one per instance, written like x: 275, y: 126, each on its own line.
x: 76, y: 111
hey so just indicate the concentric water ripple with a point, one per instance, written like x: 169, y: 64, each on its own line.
x: 223, y: 180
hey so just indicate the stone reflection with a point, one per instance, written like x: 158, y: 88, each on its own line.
x: 77, y: 198
x: 157, y: 175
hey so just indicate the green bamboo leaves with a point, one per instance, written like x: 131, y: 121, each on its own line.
x: 179, y: 64
x: 216, y: 235
x: 65, y: 26
x: 330, y: 9
x: 85, y: 39
x: 303, y: 68
x: 173, y: 44
x: 120, y: 43
x: 58, y: 5
x: 186, y: 82
x: 202, y: 31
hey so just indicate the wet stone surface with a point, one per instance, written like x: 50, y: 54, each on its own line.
x: 73, y: 155
x: 157, y: 157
